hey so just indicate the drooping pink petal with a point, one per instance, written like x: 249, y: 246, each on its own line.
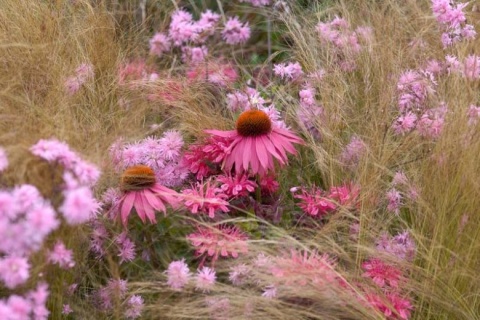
x: 224, y: 134
x: 247, y: 152
x: 149, y: 210
x: 127, y: 206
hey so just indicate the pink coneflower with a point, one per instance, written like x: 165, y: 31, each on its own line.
x: 142, y: 192
x: 256, y: 142
x: 219, y: 241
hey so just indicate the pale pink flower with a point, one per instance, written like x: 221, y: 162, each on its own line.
x: 159, y: 44
x: 473, y: 114
x: 208, y: 21
x: 400, y: 178
x: 353, y: 151
x: 239, y: 274
x: 126, y: 248
x: 394, y: 200
x: 79, y: 205
x: 205, y: 279
x: 178, y: 274
x: 381, y: 273
x: 61, y: 255
x: 290, y: 71
x: 431, y: 122
x: 14, y: 271
x: 218, y: 73
x: 405, y: 123
x: 182, y: 28
x: 3, y: 160
x: 194, y: 55
x: 471, y: 68
x: 401, y: 246
x: 135, y: 306
x: 345, y: 195
x: 205, y: 198
x: 256, y: 142
x: 270, y: 292
x: 66, y: 309
x: 237, y: 185
x: 219, y: 308
x: 218, y: 241
x: 235, y: 32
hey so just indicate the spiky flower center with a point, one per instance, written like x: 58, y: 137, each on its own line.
x: 137, y: 178
x: 253, y: 123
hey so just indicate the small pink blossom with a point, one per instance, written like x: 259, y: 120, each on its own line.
x: 159, y: 44
x: 79, y: 205
x: 61, y: 255
x: 135, y: 306
x: 178, y: 274
x: 66, y: 309
x: 205, y: 279
x: 14, y: 271
x: 394, y: 201
x: 235, y: 32
x: 405, y: 123
x: 236, y: 186
x: 289, y: 71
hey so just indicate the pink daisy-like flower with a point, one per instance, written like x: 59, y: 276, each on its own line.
x: 178, y: 274
x: 235, y: 32
x: 205, y: 198
x: 205, y: 279
x: 219, y: 241
x: 256, y: 142
x: 142, y: 192
x: 14, y: 271
x: 135, y: 307
x: 159, y: 44
x: 381, y: 273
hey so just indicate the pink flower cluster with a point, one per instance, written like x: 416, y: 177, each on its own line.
x: 245, y: 100
x: 83, y: 73
x: 236, y: 186
x: 453, y: 22
x: 26, y: 219
x: 61, y: 256
x: 290, y: 71
x: 344, y: 41
x: 235, y: 32
x: 401, y: 246
x: 116, y: 291
x: 353, y: 151
x: 219, y: 241
x: 30, y: 306
x: 219, y: 73
x: 163, y: 155
x: 178, y: 276
x: 318, y: 203
x: 56, y: 152
x: 309, y: 112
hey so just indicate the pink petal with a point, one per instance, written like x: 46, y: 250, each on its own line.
x: 247, y: 153
x: 149, y: 211
x: 156, y: 203
x: 140, y: 208
x: 262, y: 152
x: 127, y: 205
x: 254, y: 159
x: 224, y: 134
x: 271, y: 149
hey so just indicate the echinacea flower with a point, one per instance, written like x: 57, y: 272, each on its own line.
x: 256, y: 141
x: 142, y: 192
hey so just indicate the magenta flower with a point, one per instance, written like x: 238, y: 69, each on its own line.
x: 236, y: 186
x: 79, y: 205
x: 405, y: 123
x: 205, y: 279
x: 205, y: 198
x: 219, y: 241
x: 381, y: 273
x: 391, y: 306
x: 256, y: 142
x: 201, y: 158
x: 178, y: 274
x: 142, y: 192
x: 315, y: 202
x: 126, y: 248
x: 235, y: 32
